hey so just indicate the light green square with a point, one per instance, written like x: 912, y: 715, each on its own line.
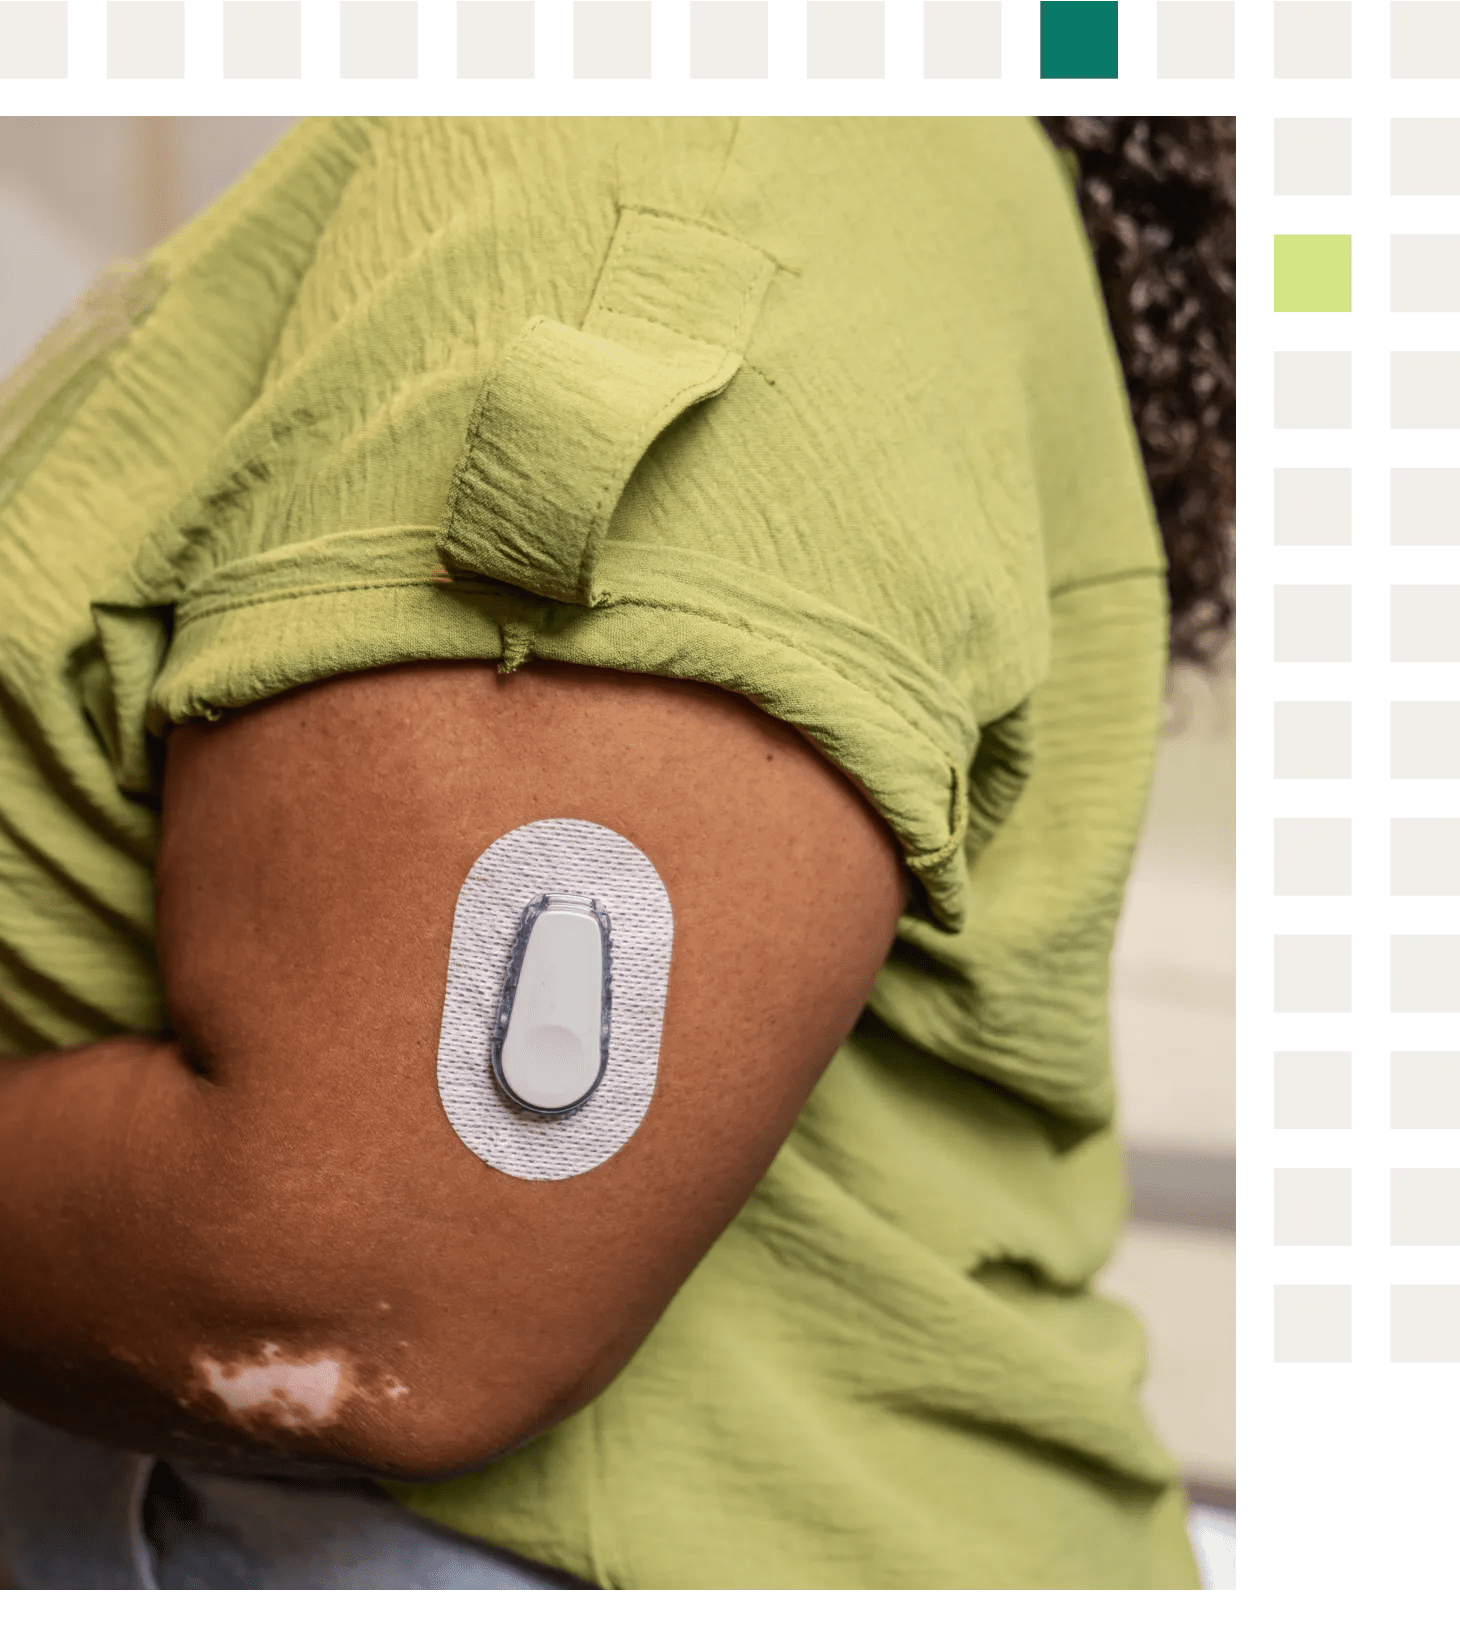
x: 1310, y: 273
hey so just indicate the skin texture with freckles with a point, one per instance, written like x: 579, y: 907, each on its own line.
x: 197, y: 1235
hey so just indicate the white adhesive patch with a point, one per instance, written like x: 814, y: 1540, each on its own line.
x: 571, y: 857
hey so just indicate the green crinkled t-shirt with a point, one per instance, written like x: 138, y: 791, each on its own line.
x: 821, y: 411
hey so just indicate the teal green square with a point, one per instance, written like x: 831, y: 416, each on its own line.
x: 1078, y: 39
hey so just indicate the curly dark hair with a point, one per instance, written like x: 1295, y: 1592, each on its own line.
x: 1159, y: 201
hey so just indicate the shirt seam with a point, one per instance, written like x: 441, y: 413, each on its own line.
x: 926, y: 859
x: 187, y: 617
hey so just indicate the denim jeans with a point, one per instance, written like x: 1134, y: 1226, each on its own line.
x: 78, y: 1516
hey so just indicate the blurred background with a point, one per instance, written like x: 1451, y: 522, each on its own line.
x: 76, y: 194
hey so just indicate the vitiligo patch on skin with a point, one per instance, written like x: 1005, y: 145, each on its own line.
x: 300, y: 1393
x: 569, y: 858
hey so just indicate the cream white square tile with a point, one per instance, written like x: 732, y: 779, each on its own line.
x: 844, y: 40
x: 1424, y: 1088
x: 1311, y: 506
x: 496, y: 40
x: 1313, y: 622
x: 1195, y: 39
x: 1424, y: 41
x: 1424, y: 1207
x: 1419, y: 622
x: 1424, y: 390
x: 1424, y: 856
x: 1311, y: 856
x: 1311, y: 389
x: 261, y: 39
x: 1424, y: 156
x: 613, y: 39
x: 1311, y: 1207
x: 1424, y: 506
x: 1313, y: 155
x: 1424, y: 1323
x: 1312, y: 1088
x: 1424, y: 740
x: 144, y: 39
x: 1312, y: 973
x: 962, y: 40
x: 1311, y: 740
x: 1424, y: 973
x: 378, y: 39
x: 1312, y: 1323
x: 33, y: 40
x: 728, y: 40
x: 1311, y: 40
x: 1424, y: 273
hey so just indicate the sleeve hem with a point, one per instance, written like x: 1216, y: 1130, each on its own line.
x: 254, y: 629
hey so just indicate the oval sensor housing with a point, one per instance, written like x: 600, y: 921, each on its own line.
x: 550, y: 1045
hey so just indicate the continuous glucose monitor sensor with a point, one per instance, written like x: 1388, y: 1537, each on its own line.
x: 559, y: 925
x: 550, y: 1042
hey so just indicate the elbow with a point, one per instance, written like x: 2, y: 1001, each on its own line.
x: 455, y: 1435
x: 387, y: 1334
x: 409, y: 1394
x: 484, y: 1393
x: 329, y: 1402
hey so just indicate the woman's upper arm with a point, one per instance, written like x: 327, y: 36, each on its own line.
x: 313, y: 850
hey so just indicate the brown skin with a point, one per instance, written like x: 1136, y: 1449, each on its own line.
x: 281, y: 1182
